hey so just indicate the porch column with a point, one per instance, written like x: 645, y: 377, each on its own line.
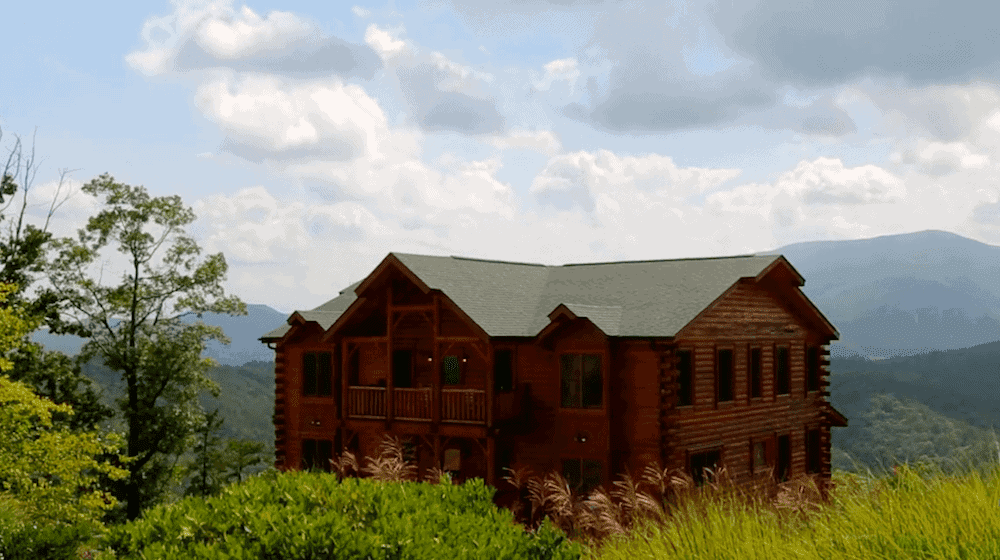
x: 390, y: 388
x: 436, y: 370
x: 491, y: 455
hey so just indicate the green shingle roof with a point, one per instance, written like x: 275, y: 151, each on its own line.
x: 636, y: 298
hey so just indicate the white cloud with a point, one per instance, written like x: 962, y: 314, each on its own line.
x: 360, y: 12
x: 275, y: 115
x: 575, y: 179
x: 247, y: 33
x: 385, y: 43
x: 217, y: 27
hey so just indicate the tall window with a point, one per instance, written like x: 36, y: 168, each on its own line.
x: 812, y: 451
x: 704, y: 460
x: 503, y: 371
x: 784, y: 458
x: 582, y: 475
x: 813, y: 374
x: 783, y: 373
x: 724, y: 376
x: 582, y: 382
x: 316, y: 374
x: 755, y: 372
x: 451, y: 370
x: 684, y: 378
x: 316, y: 454
x: 759, y: 459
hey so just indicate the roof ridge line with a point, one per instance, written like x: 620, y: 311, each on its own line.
x: 497, y: 261
x: 670, y: 260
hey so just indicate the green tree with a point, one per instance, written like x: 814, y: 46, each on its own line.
x: 23, y: 249
x: 50, y: 495
x: 242, y: 455
x: 206, y: 470
x: 135, y: 326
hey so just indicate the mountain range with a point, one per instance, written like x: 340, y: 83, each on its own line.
x: 915, y: 372
x: 903, y: 294
x: 888, y: 296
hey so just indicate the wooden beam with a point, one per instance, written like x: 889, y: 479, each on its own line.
x: 491, y: 451
x: 435, y: 368
x: 490, y: 371
x: 390, y: 392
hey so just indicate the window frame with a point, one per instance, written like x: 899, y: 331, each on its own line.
x: 459, y: 360
x: 731, y: 381
x: 814, y: 450
x: 314, y: 389
x: 783, y: 461
x: 813, y: 368
x: 699, y: 475
x: 580, y: 487
x: 581, y: 381
x: 780, y: 365
x: 317, y: 453
x: 513, y: 376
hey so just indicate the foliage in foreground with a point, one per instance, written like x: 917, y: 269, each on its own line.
x: 303, y: 515
x: 918, y: 512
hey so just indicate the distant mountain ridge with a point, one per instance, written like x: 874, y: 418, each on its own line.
x: 243, y: 331
x: 903, y: 294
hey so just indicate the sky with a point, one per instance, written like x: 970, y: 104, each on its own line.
x: 313, y: 138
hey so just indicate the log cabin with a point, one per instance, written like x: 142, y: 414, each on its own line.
x: 590, y: 370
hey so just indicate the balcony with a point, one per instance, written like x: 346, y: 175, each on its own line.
x: 463, y: 406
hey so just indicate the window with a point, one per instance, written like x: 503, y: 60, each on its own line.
x: 813, y: 377
x: 316, y: 454
x: 783, y: 374
x: 583, y: 475
x: 784, y: 458
x: 402, y: 368
x: 582, y: 382
x: 452, y: 460
x: 704, y: 460
x: 812, y: 451
x: 755, y: 372
x: 503, y: 371
x: 759, y: 457
x: 316, y: 374
x: 684, y: 377
x: 724, y: 376
x: 451, y: 370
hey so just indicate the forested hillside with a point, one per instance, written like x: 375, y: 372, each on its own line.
x: 932, y: 406
x: 245, y: 401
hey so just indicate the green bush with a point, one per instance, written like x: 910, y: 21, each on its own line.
x: 305, y: 516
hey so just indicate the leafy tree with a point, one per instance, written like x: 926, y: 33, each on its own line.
x: 134, y: 326
x: 206, y: 469
x: 50, y: 496
x: 23, y: 249
x: 241, y: 456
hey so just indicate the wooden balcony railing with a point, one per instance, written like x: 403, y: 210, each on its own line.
x: 366, y: 402
x: 467, y: 406
x: 412, y: 404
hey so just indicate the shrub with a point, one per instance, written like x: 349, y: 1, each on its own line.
x: 303, y: 515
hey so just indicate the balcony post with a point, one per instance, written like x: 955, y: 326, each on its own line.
x: 345, y: 400
x: 435, y: 366
x: 390, y: 391
x: 490, y: 373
